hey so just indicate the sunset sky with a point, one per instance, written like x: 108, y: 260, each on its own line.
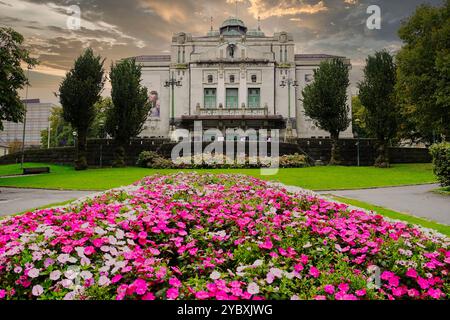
x: 118, y: 28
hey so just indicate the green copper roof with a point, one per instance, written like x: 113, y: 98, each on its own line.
x: 233, y: 22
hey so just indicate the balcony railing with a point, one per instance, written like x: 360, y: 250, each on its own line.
x: 232, y: 111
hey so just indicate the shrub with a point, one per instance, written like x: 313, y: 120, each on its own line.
x: 190, y: 236
x: 441, y: 162
x: 146, y: 158
x: 293, y: 161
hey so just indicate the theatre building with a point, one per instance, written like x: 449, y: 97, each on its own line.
x: 234, y: 77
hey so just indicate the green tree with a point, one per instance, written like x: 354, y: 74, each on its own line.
x: 325, y: 101
x: 377, y: 94
x: 79, y: 92
x: 130, y: 106
x: 358, y: 118
x: 423, y: 86
x: 12, y: 76
x: 61, y: 132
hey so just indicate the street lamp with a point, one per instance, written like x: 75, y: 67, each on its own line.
x: 289, y: 83
x: 25, y: 117
x: 356, y: 134
x: 172, y: 82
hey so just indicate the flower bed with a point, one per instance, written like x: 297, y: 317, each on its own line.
x: 192, y: 236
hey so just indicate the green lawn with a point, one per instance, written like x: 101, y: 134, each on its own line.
x: 315, y: 178
x: 444, y: 229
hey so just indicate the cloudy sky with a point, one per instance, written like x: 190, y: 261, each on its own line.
x: 119, y: 28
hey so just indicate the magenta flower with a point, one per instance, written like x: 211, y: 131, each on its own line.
x: 89, y: 250
x: 314, y: 272
x: 328, y: 289
x: 202, y: 295
x: 172, y: 293
x: 412, y: 273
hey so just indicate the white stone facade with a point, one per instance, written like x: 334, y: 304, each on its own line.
x: 231, y: 78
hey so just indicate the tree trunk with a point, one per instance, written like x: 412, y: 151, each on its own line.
x: 81, y: 161
x: 335, y: 155
x: 382, y: 160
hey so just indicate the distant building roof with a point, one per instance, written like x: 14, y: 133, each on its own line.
x: 315, y: 56
x: 153, y: 58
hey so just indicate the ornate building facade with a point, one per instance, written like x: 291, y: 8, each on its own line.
x: 233, y: 77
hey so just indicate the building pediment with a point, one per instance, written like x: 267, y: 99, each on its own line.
x: 232, y: 51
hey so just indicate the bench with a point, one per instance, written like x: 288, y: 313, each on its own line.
x: 36, y: 170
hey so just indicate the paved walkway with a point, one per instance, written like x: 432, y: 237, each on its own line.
x: 415, y: 200
x: 15, y: 200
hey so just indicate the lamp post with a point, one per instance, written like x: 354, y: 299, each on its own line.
x: 172, y: 83
x: 289, y: 83
x: 356, y: 134
x: 25, y: 118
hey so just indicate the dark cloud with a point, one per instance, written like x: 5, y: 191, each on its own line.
x: 118, y: 28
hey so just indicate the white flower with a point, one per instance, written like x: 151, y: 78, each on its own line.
x: 215, y: 275
x: 67, y: 283
x: 86, y: 275
x: 276, y: 272
x: 37, y: 290
x: 55, y: 275
x: 33, y: 273
x: 253, y: 288
x: 71, y: 274
x: 103, y: 281
x: 258, y: 263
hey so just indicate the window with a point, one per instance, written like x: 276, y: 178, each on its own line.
x: 210, y: 98
x: 254, y: 97
x: 232, y: 98
x: 254, y: 78
x: 232, y: 78
x: 210, y: 78
x: 308, y: 78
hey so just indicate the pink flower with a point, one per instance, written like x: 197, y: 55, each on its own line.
x: 435, y: 293
x: 361, y: 292
x: 320, y: 297
x: 98, y: 242
x: 343, y: 287
x: 411, y: 273
x: 298, y: 267
x: 267, y: 244
x: 202, y: 295
x: 116, y: 278
x: 174, y: 282
x: 89, y: 250
x: 413, y: 293
x: 2, y: 294
x: 172, y: 293
x: 423, y: 283
x: 148, y: 296
x: 328, y: 289
x: 314, y: 272
x: 142, y: 235
x: 141, y: 286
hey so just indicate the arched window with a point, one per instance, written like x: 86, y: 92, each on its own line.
x: 254, y: 78
x: 232, y: 78
x: 210, y: 78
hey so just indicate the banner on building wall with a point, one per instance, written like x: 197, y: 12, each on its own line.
x: 153, y: 84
